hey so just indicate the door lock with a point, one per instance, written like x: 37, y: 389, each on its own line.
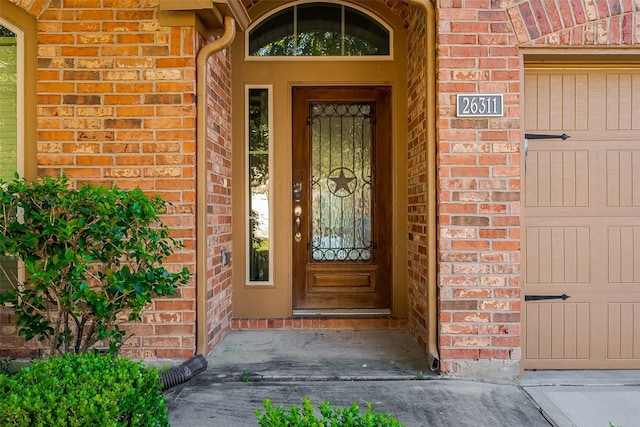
x: 297, y: 191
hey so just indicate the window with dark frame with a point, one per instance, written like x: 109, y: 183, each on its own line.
x: 319, y: 29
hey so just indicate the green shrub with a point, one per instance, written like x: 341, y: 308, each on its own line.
x: 92, y: 256
x: 83, y: 390
x: 331, y: 416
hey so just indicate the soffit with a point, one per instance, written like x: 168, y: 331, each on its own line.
x: 207, y: 16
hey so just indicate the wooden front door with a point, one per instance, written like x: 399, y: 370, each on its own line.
x: 341, y: 215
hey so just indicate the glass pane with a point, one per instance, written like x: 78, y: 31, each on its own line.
x: 8, y: 101
x: 341, y: 182
x: 319, y: 29
x: 364, y: 36
x: 8, y: 133
x: 258, y: 185
x: 274, y: 36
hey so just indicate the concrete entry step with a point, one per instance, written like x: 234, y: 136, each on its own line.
x: 284, y: 355
x: 433, y: 403
x: 381, y: 366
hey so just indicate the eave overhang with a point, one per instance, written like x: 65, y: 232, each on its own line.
x: 206, y: 16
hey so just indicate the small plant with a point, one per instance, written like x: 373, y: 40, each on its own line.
x: 331, y: 416
x: 93, y: 258
x: 83, y: 390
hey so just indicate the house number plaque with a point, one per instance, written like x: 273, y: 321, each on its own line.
x: 479, y: 105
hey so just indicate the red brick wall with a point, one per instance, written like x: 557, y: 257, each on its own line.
x: 479, y: 189
x: 576, y: 22
x: 417, y: 242
x: 479, y: 174
x: 218, y: 196
x: 116, y: 105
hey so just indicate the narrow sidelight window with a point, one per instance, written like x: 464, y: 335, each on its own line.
x: 259, y: 188
x: 8, y: 103
x: 8, y: 132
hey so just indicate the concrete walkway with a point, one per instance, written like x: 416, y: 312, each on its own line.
x: 586, y: 398
x: 386, y: 368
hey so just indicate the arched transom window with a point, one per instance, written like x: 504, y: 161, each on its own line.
x: 319, y: 29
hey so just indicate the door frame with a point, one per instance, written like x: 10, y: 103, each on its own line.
x: 251, y: 301
x: 371, y: 282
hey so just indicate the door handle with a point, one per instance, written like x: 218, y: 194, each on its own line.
x: 297, y: 211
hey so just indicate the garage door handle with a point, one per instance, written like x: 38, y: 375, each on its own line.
x: 563, y: 137
x: 563, y: 297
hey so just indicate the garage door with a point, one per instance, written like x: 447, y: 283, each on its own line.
x: 581, y: 217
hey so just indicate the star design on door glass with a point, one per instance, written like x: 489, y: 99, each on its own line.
x: 343, y: 182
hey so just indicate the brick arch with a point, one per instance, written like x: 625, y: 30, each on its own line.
x: 576, y: 22
x: 33, y: 7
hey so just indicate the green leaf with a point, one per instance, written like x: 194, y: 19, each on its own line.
x: 83, y: 390
x: 97, y: 251
x: 330, y: 416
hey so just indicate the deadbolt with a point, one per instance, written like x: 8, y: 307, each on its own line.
x: 297, y: 191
